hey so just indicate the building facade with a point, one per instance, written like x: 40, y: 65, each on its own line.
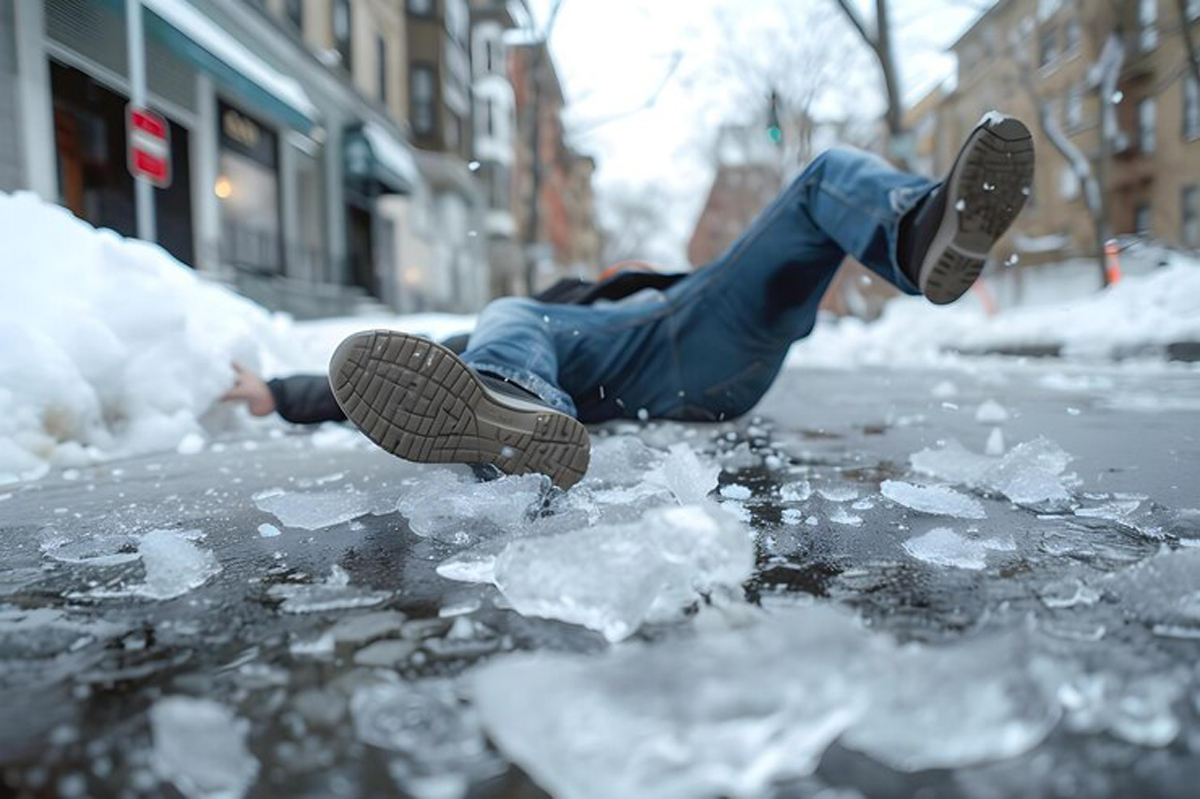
x: 1023, y: 54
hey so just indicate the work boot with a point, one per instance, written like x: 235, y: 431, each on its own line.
x: 419, y: 401
x: 944, y: 241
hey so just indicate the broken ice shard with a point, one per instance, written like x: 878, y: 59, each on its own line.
x: 334, y: 593
x: 612, y: 578
x: 942, y: 546
x: 174, y: 565
x: 685, y: 476
x: 936, y: 500
x: 459, y: 509
x: 1030, y: 473
x: 200, y: 746
x: 734, y: 712
x: 315, y: 510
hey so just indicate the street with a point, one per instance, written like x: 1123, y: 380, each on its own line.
x: 323, y: 655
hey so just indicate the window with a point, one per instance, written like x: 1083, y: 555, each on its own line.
x: 1074, y: 110
x: 294, y: 11
x: 341, y: 30
x: 1147, y: 22
x: 381, y: 70
x: 1071, y: 37
x: 1147, y: 136
x: 421, y: 7
x: 422, y: 99
x: 1068, y: 183
x: 1191, y: 108
x: 1191, y: 216
x: 1141, y: 219
x: 1047, y: 46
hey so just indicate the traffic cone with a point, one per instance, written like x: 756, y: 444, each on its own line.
x: 1112, y: 261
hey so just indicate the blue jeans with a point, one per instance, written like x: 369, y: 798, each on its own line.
x: 709, y: 346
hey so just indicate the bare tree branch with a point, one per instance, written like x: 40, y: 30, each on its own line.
x: 857, y: 22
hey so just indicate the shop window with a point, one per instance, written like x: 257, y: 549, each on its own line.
x: 422, y: 98
x: 247, y: 186
x: 1191, y: 216
x: 1147, y: 133
x: 342, y: 31
x: 93, y: 175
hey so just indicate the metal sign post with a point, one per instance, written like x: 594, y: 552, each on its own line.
x: 143, y: 189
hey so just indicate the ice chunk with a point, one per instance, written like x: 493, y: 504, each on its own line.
x: 1067, y: 593
x: 991, y: 412
x: 685, y: 476
x: 936, y: 500
x: 619, y: 460
x: 1134, y: 708
x: 459, y: 509
x: 174, y: 564
x: 798, y: 491
x: 335, y: 593
x: 942, y: 546
x: 315, y: 510
x: 945, y: 390
x: 200, y: 746
x: 838, y: 493
x: 1030, y: 473
x: 1162, y: 591
x: 995, y: 443
x: 735, y: 491
x: 842, y: 516
x: 92, y: 549
x: 612, y: 578
x: 268, y: 530
x: 191, y: 444
x: 735, y: 712
x: 791, y: 516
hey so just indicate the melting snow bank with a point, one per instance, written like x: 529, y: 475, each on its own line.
x: 1138, y: 314
x: 110, y: 347
x: 731, y: 712
x: 200, y: 746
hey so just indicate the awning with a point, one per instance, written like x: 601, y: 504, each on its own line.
x: 194, y: 37
x: 372, y: 153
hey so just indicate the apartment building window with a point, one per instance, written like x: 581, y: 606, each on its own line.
x: 1191, y: 216
x: 422, y: 97
x: 1074, y: 110
x: 1148, y: 24
x: 1147, y: 135
x: 1191, y: 107
x: 1047, y: 46
x: 1071, y: 37
x: 341, y: 30
x: 1141, y: 219
x: 381, y: 69
x: 294, y: 11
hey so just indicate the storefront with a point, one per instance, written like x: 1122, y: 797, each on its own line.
x: 247, y: 186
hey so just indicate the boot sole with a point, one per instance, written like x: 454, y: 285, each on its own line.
x: 417, y: 400
x: 998, y: 155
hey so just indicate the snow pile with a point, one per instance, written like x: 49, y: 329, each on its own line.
x: 110, y: 347
x: 1031, y: 473
x: 731, y: 712
x: 936, y: 500
x: 200, y: 746
x: 1139, y: 313
x: 614, y: 577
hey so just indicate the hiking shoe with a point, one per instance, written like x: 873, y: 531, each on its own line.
x: 945, y: 248
x: 419, y: 401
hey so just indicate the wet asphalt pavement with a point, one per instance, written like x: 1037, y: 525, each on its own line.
x: 81, y: 663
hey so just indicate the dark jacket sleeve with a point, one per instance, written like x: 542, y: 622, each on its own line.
x: 305, y: 399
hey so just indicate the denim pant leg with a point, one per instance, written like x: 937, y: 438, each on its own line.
x: 514, y: 338
x: 739, y: 314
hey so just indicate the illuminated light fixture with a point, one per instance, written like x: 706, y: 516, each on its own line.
x: 223, y: 188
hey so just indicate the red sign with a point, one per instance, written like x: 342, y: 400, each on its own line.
x: 149, y: 147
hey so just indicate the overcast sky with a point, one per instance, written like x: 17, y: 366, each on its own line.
x: 616, y: 56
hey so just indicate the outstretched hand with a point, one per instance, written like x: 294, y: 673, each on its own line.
x: 250, y: 389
